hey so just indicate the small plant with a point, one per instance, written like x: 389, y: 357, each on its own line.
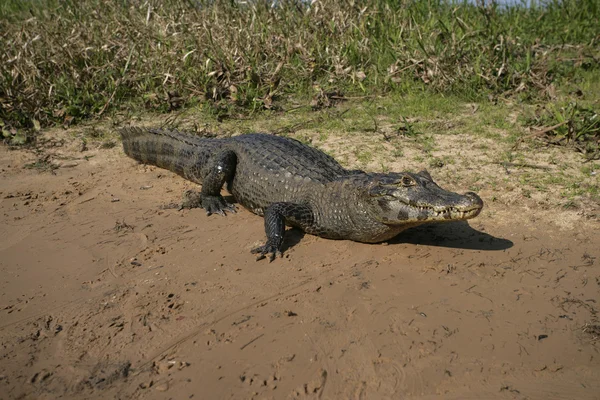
x: 43, y: 164
x: 570, y: 125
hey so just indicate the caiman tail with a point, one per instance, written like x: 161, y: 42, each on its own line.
x: 172, y: 150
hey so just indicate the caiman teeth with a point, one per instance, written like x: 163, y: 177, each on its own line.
x: 456, y: 212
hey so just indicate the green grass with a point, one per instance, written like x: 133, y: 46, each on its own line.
x: 67, y: 61
x: 567, y: 123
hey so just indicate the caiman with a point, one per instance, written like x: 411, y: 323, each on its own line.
x: 290, y: 183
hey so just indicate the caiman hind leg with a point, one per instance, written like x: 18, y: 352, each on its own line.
x: 219, y: 170
x: 276, y: 215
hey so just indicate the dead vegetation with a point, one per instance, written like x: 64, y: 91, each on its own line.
x: 570, y: 125
x: 66, y: 61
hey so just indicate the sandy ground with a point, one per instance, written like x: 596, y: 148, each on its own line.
x: 105, y: 293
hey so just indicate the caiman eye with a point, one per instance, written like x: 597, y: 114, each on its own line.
x: 407, y: 181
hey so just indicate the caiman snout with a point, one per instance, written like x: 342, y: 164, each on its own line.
x: 470, y: 208
x: 475, y: 199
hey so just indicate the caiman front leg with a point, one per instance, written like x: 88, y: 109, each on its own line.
x: 276, y: 216
x: 218, y: 170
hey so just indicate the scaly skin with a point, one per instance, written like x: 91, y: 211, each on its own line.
x: 291, y: 183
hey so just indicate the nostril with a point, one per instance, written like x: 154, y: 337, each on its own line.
x: 474, y: 198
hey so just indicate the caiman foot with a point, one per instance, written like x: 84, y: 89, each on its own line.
x: 268, y: 250
x: 212, y: 204
x: 216, y: 205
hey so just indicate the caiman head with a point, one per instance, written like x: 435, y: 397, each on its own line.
x: 412, y: 199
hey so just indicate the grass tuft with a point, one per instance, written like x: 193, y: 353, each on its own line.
x: 569, y: 125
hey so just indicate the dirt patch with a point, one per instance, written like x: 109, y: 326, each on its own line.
x: 107, y: 293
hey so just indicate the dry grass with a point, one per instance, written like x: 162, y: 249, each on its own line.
x: 64, y: 61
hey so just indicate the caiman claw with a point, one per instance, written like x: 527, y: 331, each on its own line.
x: 212, y: 204
x: 269, y: 250
x: 216, y: 205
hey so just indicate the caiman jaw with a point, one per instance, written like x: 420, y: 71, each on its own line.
x: 452, y: 213
x: 471, y: 207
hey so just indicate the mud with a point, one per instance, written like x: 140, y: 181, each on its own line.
x: 107, y: 292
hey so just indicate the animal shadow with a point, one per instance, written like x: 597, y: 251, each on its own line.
x: 291, y: 238
x: 458, y: 235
